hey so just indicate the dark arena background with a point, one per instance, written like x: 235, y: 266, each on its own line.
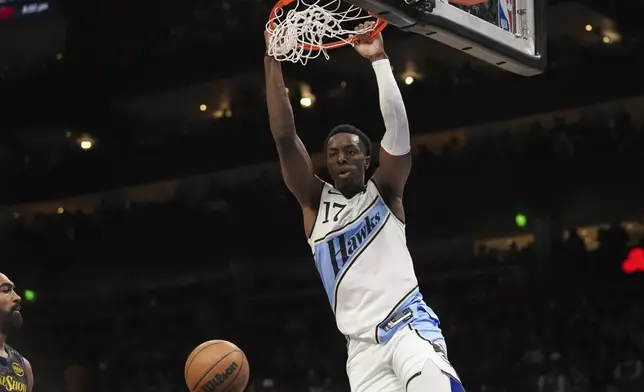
x: 142, y: 210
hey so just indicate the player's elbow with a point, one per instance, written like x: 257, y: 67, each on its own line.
x: 284, y: 138
x: 282, y: 123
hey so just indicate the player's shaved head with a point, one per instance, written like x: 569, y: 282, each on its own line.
x: 365, y: 142
x: 10, y: 317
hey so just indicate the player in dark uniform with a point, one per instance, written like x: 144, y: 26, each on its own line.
x: 16, y: 374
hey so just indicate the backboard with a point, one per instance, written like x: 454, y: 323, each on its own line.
x: 510, y: 34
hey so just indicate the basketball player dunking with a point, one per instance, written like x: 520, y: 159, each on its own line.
x: 356, y: 230
x: 16, y: 374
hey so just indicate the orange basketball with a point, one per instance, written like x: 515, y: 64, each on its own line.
x: 217, y: 366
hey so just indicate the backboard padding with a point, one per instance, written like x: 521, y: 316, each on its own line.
x: 438, y: 20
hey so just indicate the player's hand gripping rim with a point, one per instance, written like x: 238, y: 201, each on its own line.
x: 372, y: 49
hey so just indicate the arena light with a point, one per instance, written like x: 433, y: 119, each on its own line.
x: 85, y: 141
x: 307, y: 99
x: 589, y: 28
x: 606, y: 40
x: 203, y: 107
x: 224, y: 109
x: 30, y: 295
x: 409, y: 80
x: 521, y: 220
x: 306, y: 102
x: 60, y: 210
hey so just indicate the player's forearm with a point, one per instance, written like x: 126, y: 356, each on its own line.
x: 280, y: 112
x: 396, y: 140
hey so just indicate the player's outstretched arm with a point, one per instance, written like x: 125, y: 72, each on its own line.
x: 395, y: 147
x: 297, y: 168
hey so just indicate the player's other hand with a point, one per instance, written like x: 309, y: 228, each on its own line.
x: 372, y: 49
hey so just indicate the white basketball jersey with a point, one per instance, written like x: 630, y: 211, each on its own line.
x: 361, y: 253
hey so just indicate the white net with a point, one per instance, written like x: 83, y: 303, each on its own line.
x: 295, y: 34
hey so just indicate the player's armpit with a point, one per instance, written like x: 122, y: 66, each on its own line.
x: 391, y: 192
x: 30, y: 375
x: 393, y: 172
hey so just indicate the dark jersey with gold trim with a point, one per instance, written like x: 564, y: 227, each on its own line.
x: 13, y: 373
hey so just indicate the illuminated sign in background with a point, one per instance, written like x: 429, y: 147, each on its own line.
x: 18, y: 9
x: 634, y: 262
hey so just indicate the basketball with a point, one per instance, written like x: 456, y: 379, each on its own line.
x: 217, y: 365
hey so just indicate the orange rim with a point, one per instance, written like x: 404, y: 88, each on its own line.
x: 380, y: 25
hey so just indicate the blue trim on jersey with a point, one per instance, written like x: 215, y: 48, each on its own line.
x: 423, y: 319
x: 335, y: 253
x: 427, y: 325
x: 455, y: 385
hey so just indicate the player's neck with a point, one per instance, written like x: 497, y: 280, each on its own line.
x: 348, y: 191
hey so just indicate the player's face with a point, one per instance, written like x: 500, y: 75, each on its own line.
x: 346, y: 161
x: 10, y: 317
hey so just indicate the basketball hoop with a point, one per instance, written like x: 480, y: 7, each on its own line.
x: 308, y: 30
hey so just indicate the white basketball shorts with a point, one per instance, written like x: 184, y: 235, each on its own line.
x: 406, y: 363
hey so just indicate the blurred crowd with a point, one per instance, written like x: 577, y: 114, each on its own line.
x: 129, y: 148
x: 542, y: 172
x: 552, y: 316
x: 555, y: 325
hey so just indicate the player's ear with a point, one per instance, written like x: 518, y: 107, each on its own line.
x: 367, y: 163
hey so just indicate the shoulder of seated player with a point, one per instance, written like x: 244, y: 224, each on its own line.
x: 30, y: 374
